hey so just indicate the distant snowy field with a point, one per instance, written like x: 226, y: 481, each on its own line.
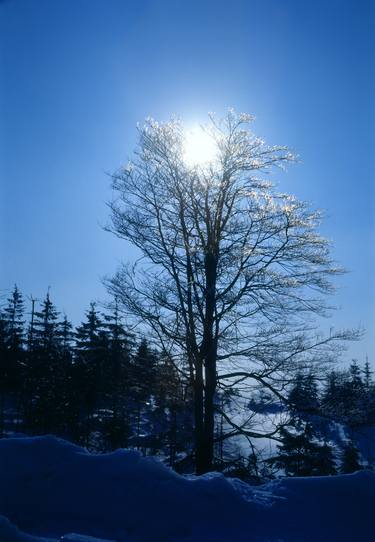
x: 51, y: 489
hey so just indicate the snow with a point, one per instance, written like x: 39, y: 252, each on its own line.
x: 72, y: 537
x: 50, y: 488
x: 365, y: 440
x: 10, y: 533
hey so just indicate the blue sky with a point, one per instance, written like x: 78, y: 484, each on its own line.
x: 77, y: 75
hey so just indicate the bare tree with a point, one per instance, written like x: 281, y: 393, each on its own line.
x: 230, y: 270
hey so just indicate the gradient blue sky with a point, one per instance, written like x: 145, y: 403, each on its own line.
x: 77, y: 75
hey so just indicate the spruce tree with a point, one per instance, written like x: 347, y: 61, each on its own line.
x: 68, y: 403
x: 172, y: 421
x: 3, y: 336
x: 11, y: 354
x: 44, y: 364
x: 143, y: 371
x: 303, y: 397
x: 331, y: 394
x: 142, y: 387
x: 350, y: 459
x: 117, y: 379
x: 3, y: 371
x: 354, y: 397
x: 300, y: 455
x: 13, y: 328
x: 367, y: 376
x: 324, y: 460
x: 45, y: 335
x: 66, y: 336
x: 90, y: 357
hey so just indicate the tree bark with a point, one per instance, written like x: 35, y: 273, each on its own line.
x: 209, y: 356
x: 200, y: 463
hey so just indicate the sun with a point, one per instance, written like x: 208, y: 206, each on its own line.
x: 199, y: 147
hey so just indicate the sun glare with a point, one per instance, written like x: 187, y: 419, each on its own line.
x: 199, y: 147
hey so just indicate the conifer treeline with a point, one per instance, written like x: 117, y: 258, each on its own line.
x: 100, y: 387
x: 95, y: 385
x: 347, y: 396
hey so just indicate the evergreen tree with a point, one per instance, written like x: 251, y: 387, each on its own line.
x: 355, y: 375
x: 324, y: 461
x: 142, y: 377
x: 117, y: 377
x: 350, y: 459
x: 143, y: 371
x: 46, y: 329
x: 45, y: 369
x: 3, y: 371
x: 13, y: 329
x: 68, y: 404
x: 303, y: 397
x: 367, y: 376
x: 348, y: 398
x: 30, y: 369
x: 90, y: 358
x: 300, y: 455
x: 354, y: 397
x: 66, y: 336
x: 369, y: 395
x: 331, y: 393
x: 172, y: 420
x: 3, y: 336
x: 11, y: 351
x: 13, y: 315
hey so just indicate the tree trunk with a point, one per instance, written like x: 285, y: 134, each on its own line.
x: 2, y: 425
x: 200, y: 463
x: 208, y: 356
x: 209, y: 415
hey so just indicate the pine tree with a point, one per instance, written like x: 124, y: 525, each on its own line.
x: 354, y: 397
x: 355, y: 379
x: 350, y: 459
x: 3, y: 371
x: 13, y: 327
x: 90, y: 358
x: 296, y: 395
x: 66, y: 336
x: 324, y: 460
x: 142, y: 386
x: 367, y: 376
x: 303, y: 397
x: 11, y: 352
x: 143, y: 371
x: 300, y: 455
x: 46, y: 331
x: 68, y: 401
x: 331, y: 394
x: 45, y: 369
x: 13, y: 315
x: 368, y: 402
x: 3, y: 336
x: 117, y: 377
x: 172, y: 421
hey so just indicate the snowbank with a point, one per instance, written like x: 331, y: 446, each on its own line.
x: 49, y: 487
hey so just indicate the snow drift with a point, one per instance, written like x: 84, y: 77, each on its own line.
x: 49, y: 488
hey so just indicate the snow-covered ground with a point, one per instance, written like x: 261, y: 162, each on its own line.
x: 50, y: 489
